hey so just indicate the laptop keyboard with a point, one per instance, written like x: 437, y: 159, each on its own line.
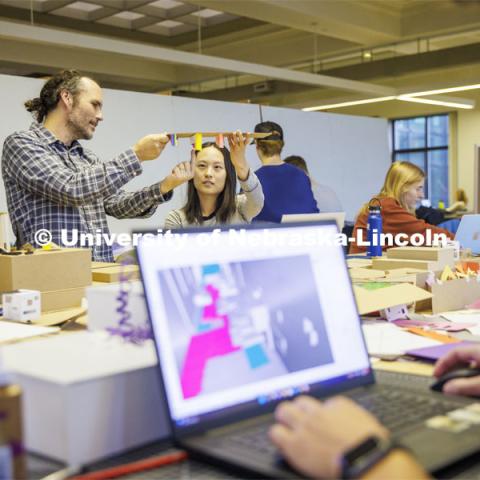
x: 399, y: 410
x: 257, y: 437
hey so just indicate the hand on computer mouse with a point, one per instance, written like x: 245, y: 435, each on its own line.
x: 467, y: 383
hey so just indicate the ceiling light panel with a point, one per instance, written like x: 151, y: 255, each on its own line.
x: 128, y: 15
x: 207, y: 13
x: 165, y: 4
x: 84, y: 6
x: 169, y: 24
x: 168, y: 28
x: 123, y: 19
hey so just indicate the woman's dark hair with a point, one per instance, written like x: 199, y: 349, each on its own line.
x: 226, y: 205
x: 50, y: 94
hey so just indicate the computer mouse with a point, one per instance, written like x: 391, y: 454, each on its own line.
x: 437, y: 386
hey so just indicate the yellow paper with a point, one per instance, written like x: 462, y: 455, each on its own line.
x: 447, y: 274
x: 198, y: 141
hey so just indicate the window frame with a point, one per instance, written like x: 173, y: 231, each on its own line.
x: 425, y: 150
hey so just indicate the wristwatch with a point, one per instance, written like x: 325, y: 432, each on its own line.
x: 359, y: 459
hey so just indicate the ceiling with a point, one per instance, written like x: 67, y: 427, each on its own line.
x: 291, y: 53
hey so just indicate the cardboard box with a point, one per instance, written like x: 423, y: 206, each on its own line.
x: 408, y: 275
x: 60, y: 299
x: 103, y: 303
x: 113, y: 273
x: 372, y: 300
x: 445, y: 256
x: 22, y: 305
x: 46, y: 270
x: 454, y: 294
x: 393, y: 263
x: 87, y: 395
x: 97, y: 265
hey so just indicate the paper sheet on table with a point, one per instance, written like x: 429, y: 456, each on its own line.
x: 359, y: 262
x: 12, y: 332
x: 385, y: 338
x: 465, y: 316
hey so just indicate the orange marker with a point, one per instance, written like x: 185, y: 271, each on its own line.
x: 433, y: 335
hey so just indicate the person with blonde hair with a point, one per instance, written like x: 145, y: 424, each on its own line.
x: 402, y: 189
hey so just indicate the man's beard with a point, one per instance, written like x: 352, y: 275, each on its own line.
x: 78, y: 131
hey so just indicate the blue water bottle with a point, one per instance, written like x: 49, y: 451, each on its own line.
x: 374, y: 229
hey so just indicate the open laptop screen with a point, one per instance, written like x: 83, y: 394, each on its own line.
x: 468, y: 233
x: 246, y: 317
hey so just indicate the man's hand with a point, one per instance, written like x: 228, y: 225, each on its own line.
x: 312, y: 436
x: 237, y: 145
x: 183, y: 172
x: 151, y: 146
x: 458, y: 357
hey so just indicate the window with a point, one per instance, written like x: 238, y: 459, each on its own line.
x: 424, y: 142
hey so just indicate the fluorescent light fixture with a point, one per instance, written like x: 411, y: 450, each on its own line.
x: 348, y: 104
x: 428, y: 101
x: 443, y: 90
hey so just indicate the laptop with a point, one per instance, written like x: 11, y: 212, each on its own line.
x: 246, y: 317
x: 339, y: 217
x: 468, y: 233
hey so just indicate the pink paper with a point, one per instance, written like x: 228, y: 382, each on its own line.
x: 475, y: 304
x: 434, y: 325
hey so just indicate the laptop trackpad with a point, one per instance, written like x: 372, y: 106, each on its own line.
x: 437, y: 448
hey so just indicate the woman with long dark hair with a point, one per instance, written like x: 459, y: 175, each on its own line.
x: 212, y: 180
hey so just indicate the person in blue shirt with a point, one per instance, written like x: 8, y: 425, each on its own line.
x: 285, y: 187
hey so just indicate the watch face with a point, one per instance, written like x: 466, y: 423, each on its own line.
x: 364, y: 448
x: 361, y: 458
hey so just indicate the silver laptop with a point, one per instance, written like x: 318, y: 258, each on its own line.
x: 246, y: 317
x: 339, y: 217
x: 468, y: 233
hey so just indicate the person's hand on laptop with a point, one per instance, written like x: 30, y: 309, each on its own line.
x: 312, y: 436
x: 457, y: 358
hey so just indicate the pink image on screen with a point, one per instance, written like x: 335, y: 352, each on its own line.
x: 204, y: 346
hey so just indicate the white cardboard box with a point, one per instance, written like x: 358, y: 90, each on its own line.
x: 87, y: 395
x: 22, y: 305
x: 103, y: 303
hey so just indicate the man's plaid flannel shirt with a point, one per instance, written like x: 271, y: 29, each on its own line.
x: 55, y: 187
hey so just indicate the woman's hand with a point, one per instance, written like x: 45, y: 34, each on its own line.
x: 181, y: 173
x: 237, y: 144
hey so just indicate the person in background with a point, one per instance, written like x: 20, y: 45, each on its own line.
x: 287, y: 190
x: 326, y: 198
x: 211, y: 195
x: 313, y: 436
x: 398, y: 198
x: 52, y: 182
